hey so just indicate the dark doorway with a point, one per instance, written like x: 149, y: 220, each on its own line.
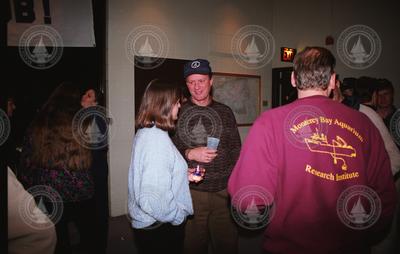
x: 282, y: 90
x: 170, y: 70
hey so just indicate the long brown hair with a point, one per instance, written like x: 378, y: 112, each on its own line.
x: 53, y: 144
x: 157, y: 103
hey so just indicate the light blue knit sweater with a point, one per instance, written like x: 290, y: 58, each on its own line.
x: 158, y: 183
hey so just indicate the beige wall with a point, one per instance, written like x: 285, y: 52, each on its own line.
x: 204, y: 29
x: 307, y: 23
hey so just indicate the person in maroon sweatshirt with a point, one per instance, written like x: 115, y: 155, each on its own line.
x: 314, y: 172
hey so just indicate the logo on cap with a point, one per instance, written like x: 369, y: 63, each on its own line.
x: 195, y: 64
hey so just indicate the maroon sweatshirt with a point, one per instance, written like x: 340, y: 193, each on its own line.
x: 326, y: 169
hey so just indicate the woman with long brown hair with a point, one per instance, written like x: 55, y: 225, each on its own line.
x: 52, y: 157
x: 159, y: 197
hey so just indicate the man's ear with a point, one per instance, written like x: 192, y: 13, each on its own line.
x: 332, y: 82
x: 211, y: 81
x: 293, y: 79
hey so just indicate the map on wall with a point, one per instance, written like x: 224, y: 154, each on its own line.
x: 242, y: 93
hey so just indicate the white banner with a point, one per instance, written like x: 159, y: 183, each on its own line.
x: 71, y: 19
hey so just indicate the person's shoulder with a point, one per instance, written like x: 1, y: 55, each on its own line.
x: 368, y: 111
x: 345, y: 112
x: 278, y: 112
x: 361, y: 115
x: 151, y: 133
x: 151, y: 140
x: 219, y: 105
x: 186, y: 104
x: 364, y: 119
x: 373, y: 116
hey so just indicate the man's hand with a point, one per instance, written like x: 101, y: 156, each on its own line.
x: 196, y: 178
x: 201, y: 154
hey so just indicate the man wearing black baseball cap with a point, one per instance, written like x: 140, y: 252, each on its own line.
x: 202, y: 117
x: 198, y: 66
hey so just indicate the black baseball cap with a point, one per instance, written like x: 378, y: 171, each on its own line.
x: 198, y: 66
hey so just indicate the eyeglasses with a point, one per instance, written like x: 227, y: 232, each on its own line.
x: 198, y: 81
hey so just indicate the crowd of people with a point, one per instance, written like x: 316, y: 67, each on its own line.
x: 315, y: 160
x: 296, y: 165
x: 52, y: 157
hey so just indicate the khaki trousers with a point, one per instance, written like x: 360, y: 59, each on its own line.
x: 211, y: 225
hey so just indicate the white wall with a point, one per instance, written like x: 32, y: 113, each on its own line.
x: 195, y: 29
x: 203, y: 29
x: 307, y: 23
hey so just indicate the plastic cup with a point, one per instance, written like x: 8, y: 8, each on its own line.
x: 212, y: 143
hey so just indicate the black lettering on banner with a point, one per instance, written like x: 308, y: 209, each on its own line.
x: 24, y: 12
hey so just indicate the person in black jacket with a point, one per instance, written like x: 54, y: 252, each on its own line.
x: 90, y: 101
